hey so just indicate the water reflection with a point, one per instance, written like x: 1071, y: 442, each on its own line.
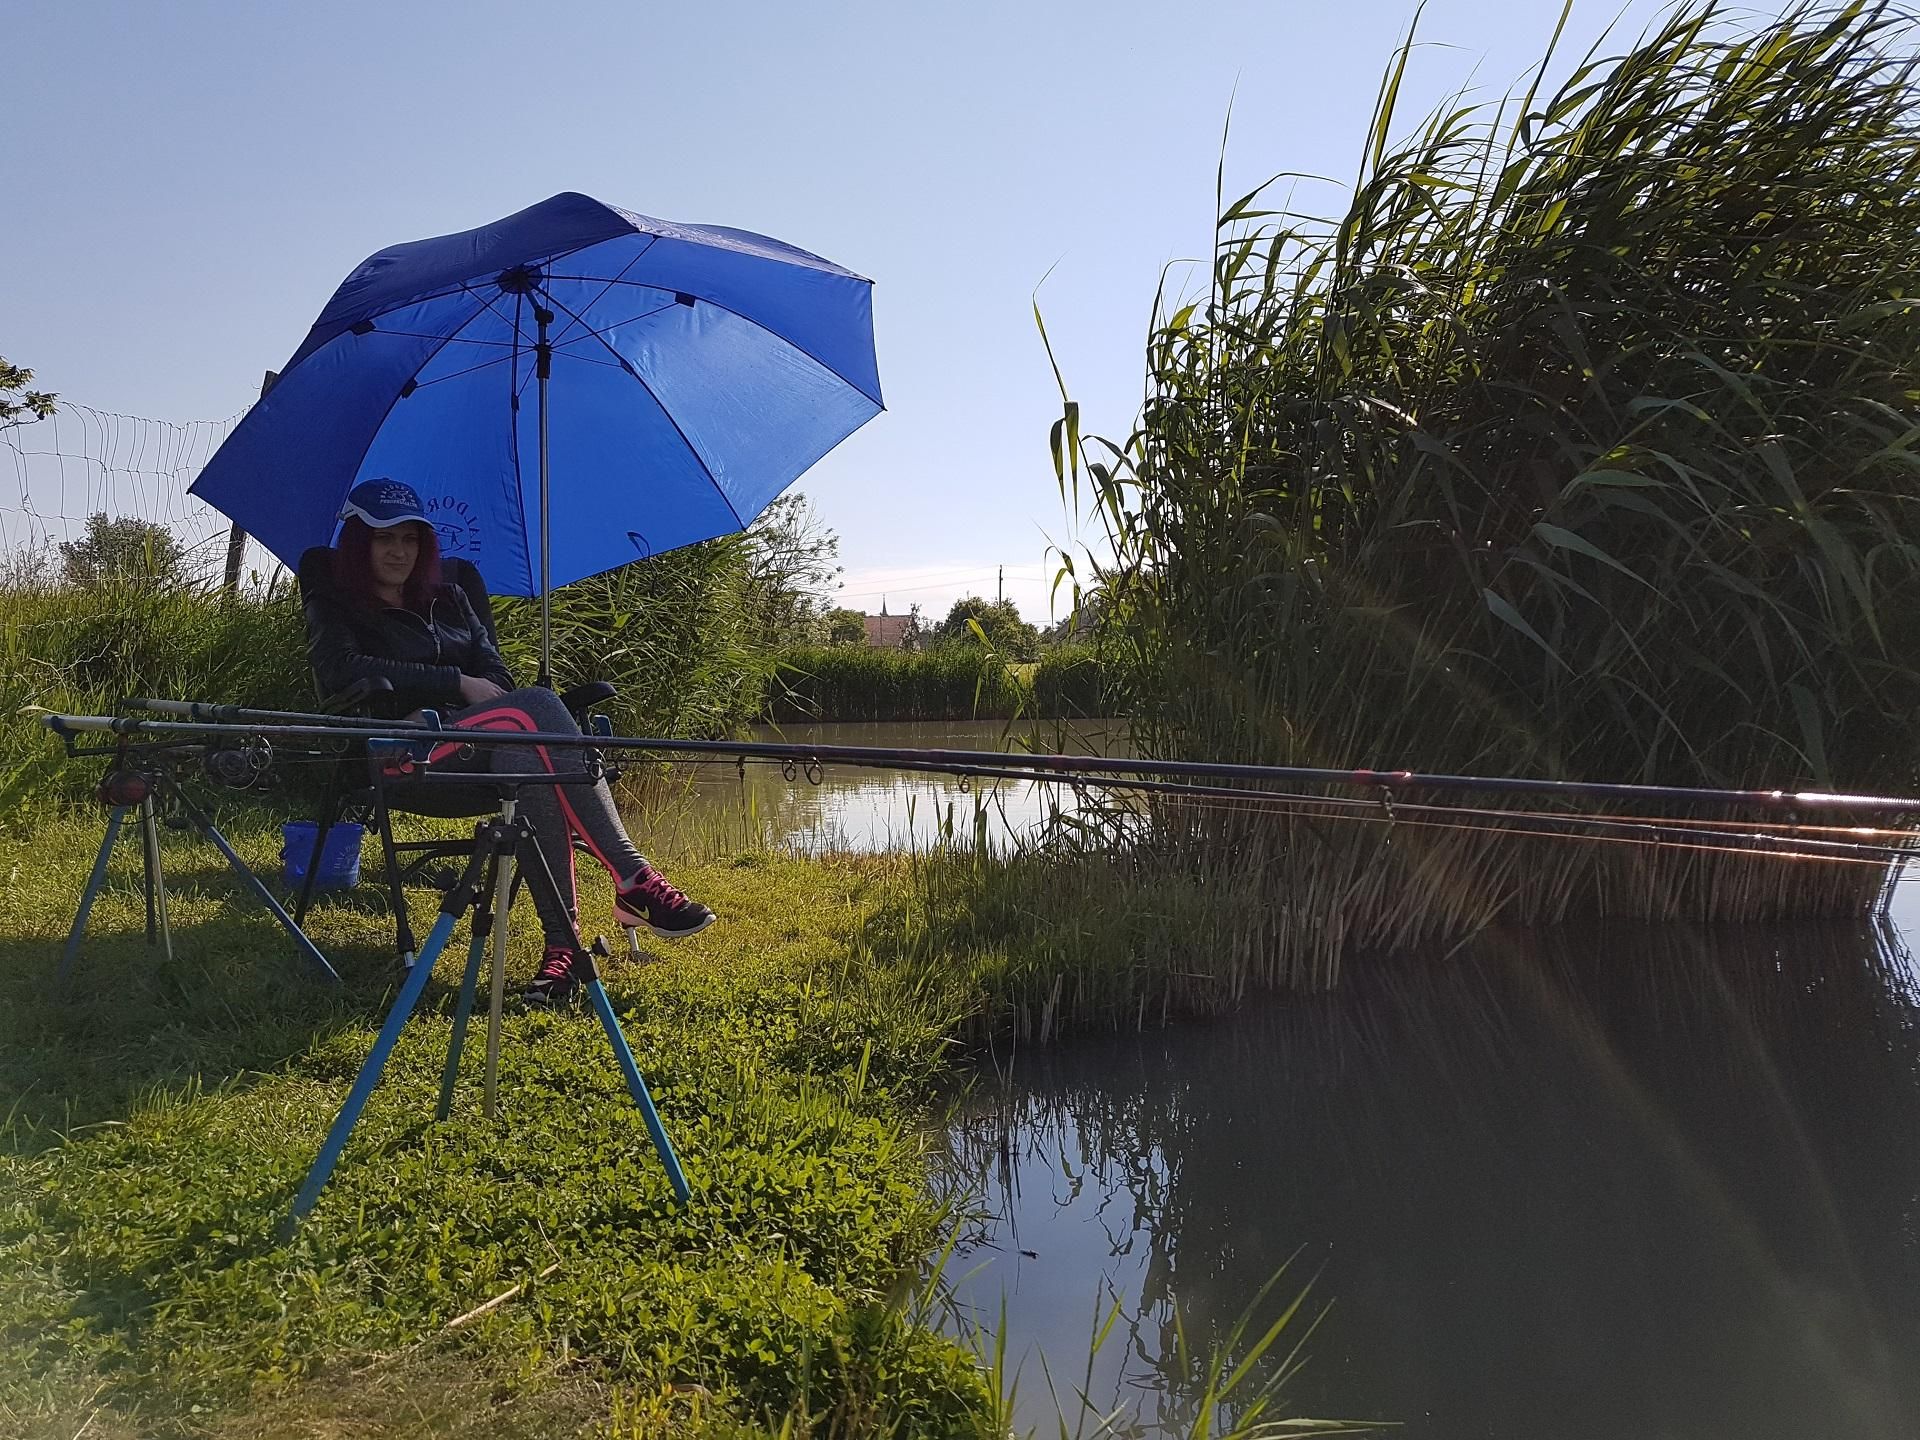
x: 1638, y: 1182
x: 867, y: 810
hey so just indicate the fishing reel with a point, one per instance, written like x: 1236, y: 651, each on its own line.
x: 122, y: 788
x: 239, y: 765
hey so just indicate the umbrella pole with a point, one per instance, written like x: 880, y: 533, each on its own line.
x: 543, y: 369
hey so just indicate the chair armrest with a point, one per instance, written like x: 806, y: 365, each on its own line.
x: 582, y: 698
x: 357, y: 696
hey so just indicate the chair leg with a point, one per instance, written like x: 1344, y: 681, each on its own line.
x: 402, y: 927
x: 329, y: 813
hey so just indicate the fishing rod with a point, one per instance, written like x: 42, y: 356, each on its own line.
x: 236, y: 722
x: 1017, y: 768
x: 1568, y: 824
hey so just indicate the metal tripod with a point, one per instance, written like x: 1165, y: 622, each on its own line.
x: 501, y: 844
x: 141, y: 792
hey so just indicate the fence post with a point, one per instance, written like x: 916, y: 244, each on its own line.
x: 237, y: 538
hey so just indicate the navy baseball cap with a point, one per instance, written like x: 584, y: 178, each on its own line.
x: 384, y: 503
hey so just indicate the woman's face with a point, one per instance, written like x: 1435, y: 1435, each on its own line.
x: 395, y: 550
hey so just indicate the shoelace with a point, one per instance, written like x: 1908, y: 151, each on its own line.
x: 656, y: 889
x: 558, y: 964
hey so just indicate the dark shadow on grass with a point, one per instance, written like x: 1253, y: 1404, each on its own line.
x: 235, y: 999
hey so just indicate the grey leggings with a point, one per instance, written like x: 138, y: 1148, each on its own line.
x: 558, y: 813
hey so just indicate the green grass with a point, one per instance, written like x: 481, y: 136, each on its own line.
x: 160, y: 1117
x: 157, y: 1119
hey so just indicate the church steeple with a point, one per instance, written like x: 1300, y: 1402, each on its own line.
x: 883, y: 606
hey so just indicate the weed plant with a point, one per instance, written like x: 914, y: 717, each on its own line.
x: 1582, y: 444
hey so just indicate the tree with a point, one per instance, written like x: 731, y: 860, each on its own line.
x: 792, y: 571
x: 18, y: 404
x: 126, y: 548
x: 1009, y: 635
x: 914, y: 635
x: 845, y: 627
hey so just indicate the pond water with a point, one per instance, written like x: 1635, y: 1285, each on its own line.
x: 1630, y: 1182
x: 864, y: 809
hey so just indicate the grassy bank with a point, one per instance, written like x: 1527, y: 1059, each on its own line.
x: 951, y: 682
x: 158, y: 1118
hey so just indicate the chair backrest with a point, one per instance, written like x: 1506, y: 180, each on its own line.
x: 315, y: 575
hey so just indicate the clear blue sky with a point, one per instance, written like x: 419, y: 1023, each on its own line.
x: 188, y: 182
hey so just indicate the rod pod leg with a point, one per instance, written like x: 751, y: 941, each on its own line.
x: 307, y: 948
x: 636, y: 1084
x: 503, y: 843
x: 159, y: 930
x: 540, y: 879
x: 457, y: 900
x: 369, y: 1077
x: 96, y: 880
x: 469, y: 984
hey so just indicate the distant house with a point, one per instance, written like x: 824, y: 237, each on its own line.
x: 889, y: 632
x: 886, y: 630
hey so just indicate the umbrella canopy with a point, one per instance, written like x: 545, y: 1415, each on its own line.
x: 696, y: 372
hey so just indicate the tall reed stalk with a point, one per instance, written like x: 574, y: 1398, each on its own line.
x: 1582, y: 444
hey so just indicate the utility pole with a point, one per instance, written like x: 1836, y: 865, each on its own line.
x: 237, y: 538
x: 1000, y: 590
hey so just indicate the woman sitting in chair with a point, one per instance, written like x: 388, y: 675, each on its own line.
x: 387, y: 615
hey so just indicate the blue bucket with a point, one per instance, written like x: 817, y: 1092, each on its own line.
x: 339, y: 857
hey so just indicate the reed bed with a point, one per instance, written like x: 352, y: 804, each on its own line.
x: 948, y: 682
x: 1582, y: 444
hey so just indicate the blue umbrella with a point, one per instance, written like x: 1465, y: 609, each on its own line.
x: 695, y: 371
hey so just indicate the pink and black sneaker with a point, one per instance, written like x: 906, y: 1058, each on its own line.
x: 555, y: 983
x: 649, y: 900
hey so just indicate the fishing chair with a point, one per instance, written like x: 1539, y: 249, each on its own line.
x: 356, y: 785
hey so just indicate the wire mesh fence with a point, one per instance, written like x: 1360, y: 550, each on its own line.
x: 58, y: 474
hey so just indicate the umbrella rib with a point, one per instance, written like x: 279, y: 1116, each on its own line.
x: 511, y: 322
x: 758, y: 325
x: 610, y: 284
x: 395, y: 398
x: 626, y: 365
x: 471, y: 369
x: 444, y: 339
x: 461, y: 287
x: 589, y: 360
x: 593, y: 335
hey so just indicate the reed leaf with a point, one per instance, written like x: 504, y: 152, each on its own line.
x: 1582, y: 444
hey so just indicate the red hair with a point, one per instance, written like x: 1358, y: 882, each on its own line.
x: 353, y: 566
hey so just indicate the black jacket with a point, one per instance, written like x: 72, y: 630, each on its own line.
x: 423, y: 656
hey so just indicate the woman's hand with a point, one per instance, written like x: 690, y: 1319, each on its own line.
x: 477, y: 690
